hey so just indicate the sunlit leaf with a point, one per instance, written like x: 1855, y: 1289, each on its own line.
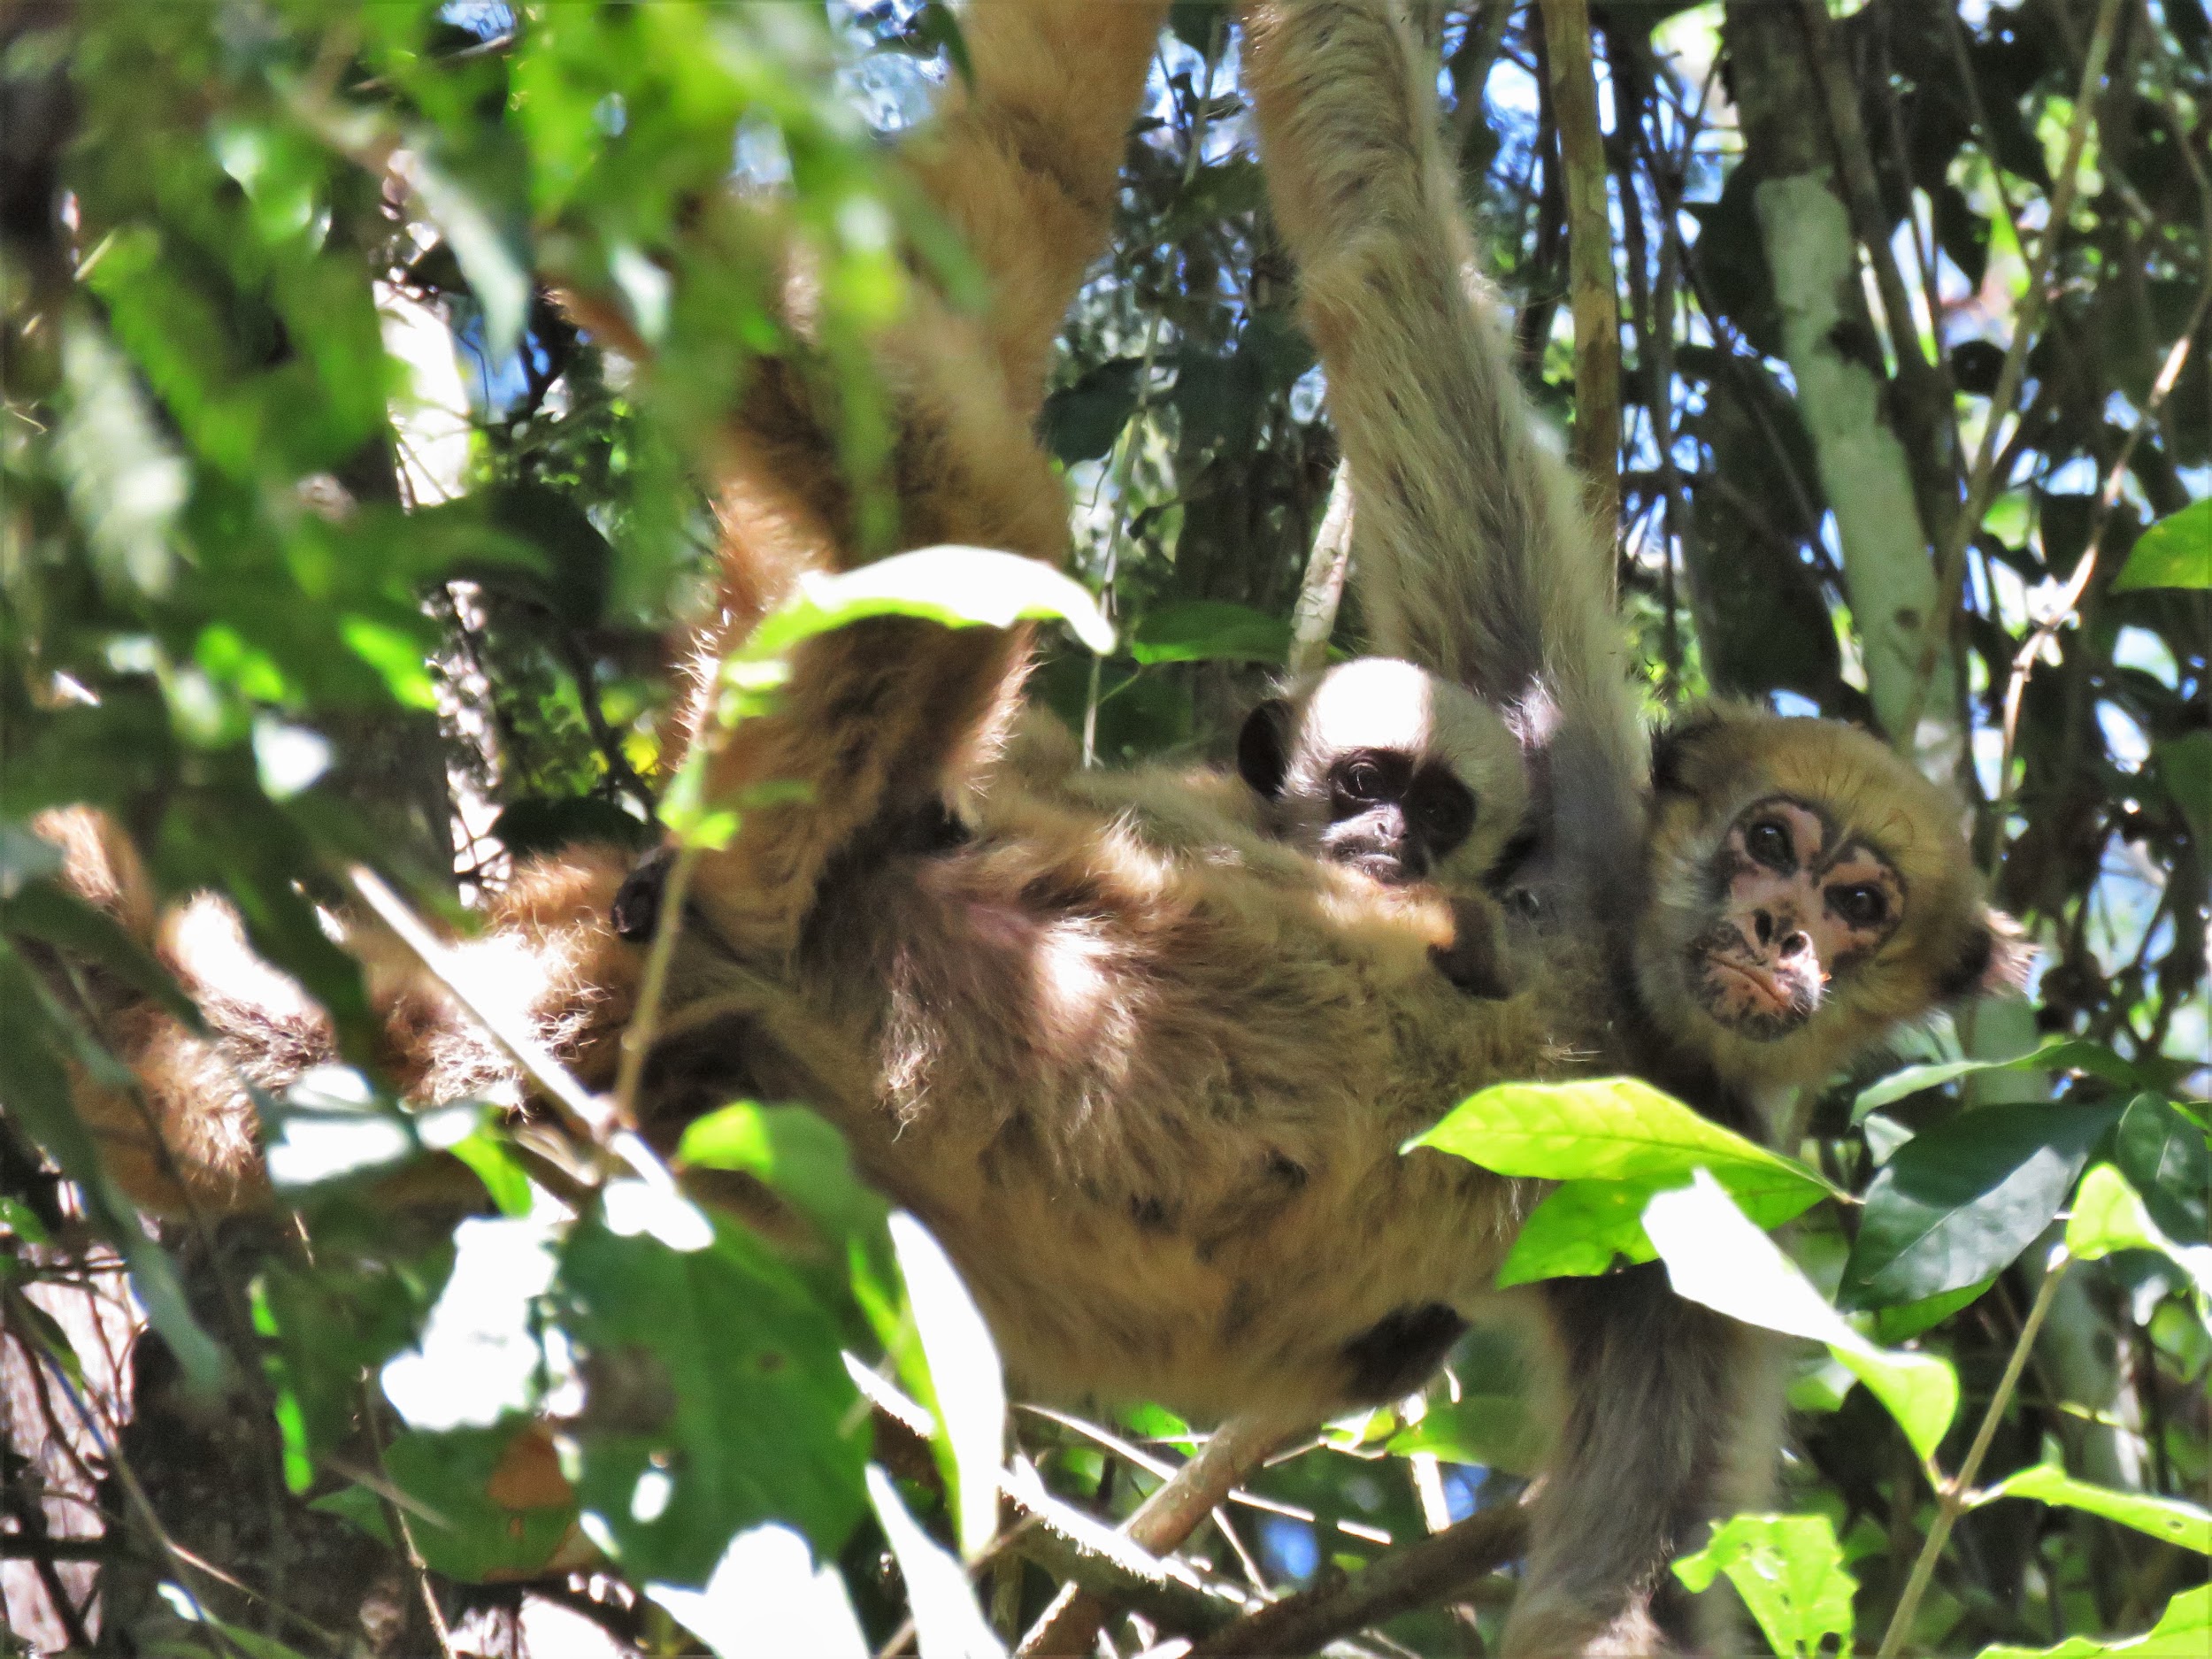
x: 2175, y: 552
x: 968, y: 1387
x: 2166, y: 1159
x: 2183, y: 1631
x: 948, y: 1625
x: 959, y: 586
x: 1616, y: 1129
x: 1715, y: 1255
x: 766, y: 1595
x: 2109, y: 1215
x: 1789, y: 1571
x: 2067, y: 1053
x: 486, y: 1504
x: 1210, y: 630
x: 2168, y: 1518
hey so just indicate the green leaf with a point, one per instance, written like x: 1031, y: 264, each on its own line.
x: 1909, y: 1319
x: 717, y: 1400
x: 2063, y: 1055
x: 2174, y: 1522
x: 959, y: 586
x: 2109, y: 1215
x: 1494, y: 1422
x: 1957, y: 1203
x: 1616, y: 1129
x: 2183, y: 1631
x: 1210, y: 630
x: 1715, y: 1255
x: 767, y: 1596
x: 967, y: 1391
x: 801, y: 1155
x: 487, y: 1504
x: 2185, y: 764
x: 2175, y: 552
x: 1081, y: 421
x: 2169, y: 1161
x: 1789, y: 1571
x: 34, y: 1036
x: 1580, y: 1229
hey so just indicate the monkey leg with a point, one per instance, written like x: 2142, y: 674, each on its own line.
x: 1672, y: 1415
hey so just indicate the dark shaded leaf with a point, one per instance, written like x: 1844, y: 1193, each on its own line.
x: 1957, y: 1203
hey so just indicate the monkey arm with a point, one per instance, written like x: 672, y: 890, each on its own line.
x: 1473, y: 553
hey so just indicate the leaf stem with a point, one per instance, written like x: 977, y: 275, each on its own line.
x: 1951, y: 1494
x: 637, y: 1039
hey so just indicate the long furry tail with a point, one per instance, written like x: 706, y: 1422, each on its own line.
x: 1472, y: 552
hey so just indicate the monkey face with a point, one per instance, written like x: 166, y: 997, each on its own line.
x: 1392, y: 819
x: 1794, y: 904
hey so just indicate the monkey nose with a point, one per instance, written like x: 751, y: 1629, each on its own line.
x: 1794, y: 945
x: 1763, y: 923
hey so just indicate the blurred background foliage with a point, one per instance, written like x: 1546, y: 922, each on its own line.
x: 328, y: 535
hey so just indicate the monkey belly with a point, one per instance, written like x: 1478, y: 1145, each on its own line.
x: 1154, y: 1110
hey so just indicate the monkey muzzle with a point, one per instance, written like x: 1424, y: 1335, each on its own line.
x: 1378, y: 844
x: 1762, y: 990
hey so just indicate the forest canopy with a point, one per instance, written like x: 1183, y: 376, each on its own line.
x: 363, y: 361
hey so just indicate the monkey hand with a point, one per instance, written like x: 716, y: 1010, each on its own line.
x: 1475, y: 959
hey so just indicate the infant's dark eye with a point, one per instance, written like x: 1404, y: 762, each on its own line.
x: 1446, y: 812
x: 1860, y: 906
x: 1769, y: 842
x: 1363, y: 781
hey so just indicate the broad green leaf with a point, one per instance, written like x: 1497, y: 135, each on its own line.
x: 1715, y: 1255
x: 487, y: 1504
x: 717, y: 1399
x: 60, y: 918
x: 1789, y: 1571
x: 2064, y: 1054
x: 1957, y: 1203
x: 2185, y: 764
x: 967, y: 1390
x: 960, y: 586
x: 1210, y: 630
x: 2109, y: 1215
x: 2175, y: 552
x: 948, y: 1625
x: 2183, y: 1631
x: 1615, y: 1129
x: 1081, y: 421
x: 767, y: 1596
x: 2166, y: 1159
x: 801, y: 1155
x: 1580, y: 1229
x: 1908, y: 1319
x: 2167, y: 1518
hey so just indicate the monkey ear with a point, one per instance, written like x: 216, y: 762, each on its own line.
x: 1995, y: 962
x: 1263, y: 746
x: 1673, y: 748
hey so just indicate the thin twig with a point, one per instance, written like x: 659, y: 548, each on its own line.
x: 396, y: 1518
x: 1405, y: 1578
x: 1597, y: 310
x: 1952, y: 1494
x: 586, y: 1115
x: 637, y: 1039
x: 1981, y: 479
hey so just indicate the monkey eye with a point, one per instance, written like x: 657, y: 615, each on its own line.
x: 1769, y: 842
x: 1363, y: 781
x: 1446, y: 812
x: 1862, y: 905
